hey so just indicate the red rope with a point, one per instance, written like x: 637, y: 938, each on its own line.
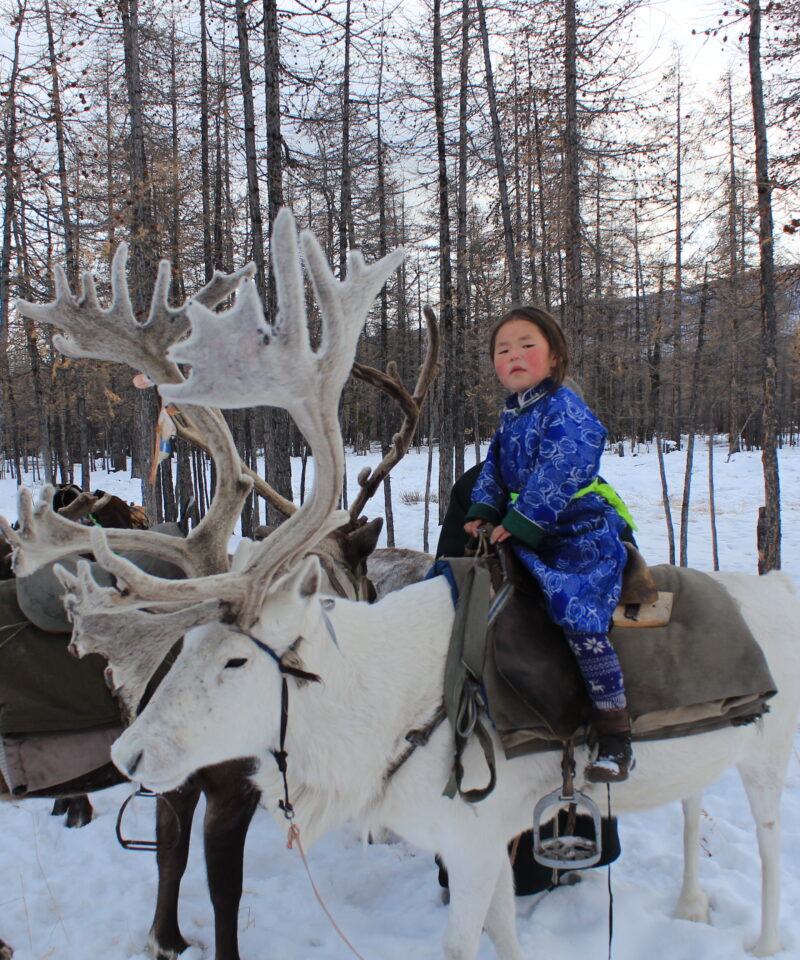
x: 294, y: 837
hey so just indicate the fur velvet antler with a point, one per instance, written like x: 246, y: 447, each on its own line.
x: 238, y: 359
x: 135, y: 638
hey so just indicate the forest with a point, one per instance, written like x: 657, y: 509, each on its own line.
x: 547, y: 151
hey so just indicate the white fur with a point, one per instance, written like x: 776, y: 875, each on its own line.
x: 385, y: 678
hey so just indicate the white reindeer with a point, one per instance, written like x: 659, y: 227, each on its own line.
x: 381, y: 667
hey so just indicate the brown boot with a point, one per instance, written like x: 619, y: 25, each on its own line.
x: 614, y: 758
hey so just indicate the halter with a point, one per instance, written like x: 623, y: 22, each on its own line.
x: 281, y: 756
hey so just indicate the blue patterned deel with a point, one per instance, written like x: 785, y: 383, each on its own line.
x: 546, y: 450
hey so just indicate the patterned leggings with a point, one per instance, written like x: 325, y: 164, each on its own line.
x: 600, y: 669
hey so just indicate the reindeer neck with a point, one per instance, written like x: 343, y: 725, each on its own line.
x: 382, y: 677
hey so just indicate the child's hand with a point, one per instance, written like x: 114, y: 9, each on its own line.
x: 499, y: 534
x: 472, y: 526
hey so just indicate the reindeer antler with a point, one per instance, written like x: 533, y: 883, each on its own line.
x: 134, y: 638
x: 258, y: 363
x: 84, y: 504
x: 411, y: 405
x: 113, y: 333
x: 45, y: 536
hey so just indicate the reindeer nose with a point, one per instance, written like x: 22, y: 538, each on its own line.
x: 133, y: 766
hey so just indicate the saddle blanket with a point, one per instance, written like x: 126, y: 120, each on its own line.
x: 702, y: 671
x: 38, y: 762
x: 43, y: 688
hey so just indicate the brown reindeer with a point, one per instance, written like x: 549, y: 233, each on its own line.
x: 230, y: 797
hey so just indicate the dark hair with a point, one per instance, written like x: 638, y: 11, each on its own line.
x: 551, y: 331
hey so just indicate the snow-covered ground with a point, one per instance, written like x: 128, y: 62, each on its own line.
x: 77, y: 895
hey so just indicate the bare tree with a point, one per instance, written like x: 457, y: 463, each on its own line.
x: 445, y: 271
x: 144, y: 252
x: 769, y: 519
x: 514, y: 272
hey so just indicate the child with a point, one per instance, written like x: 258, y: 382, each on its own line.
x: 538, y: 486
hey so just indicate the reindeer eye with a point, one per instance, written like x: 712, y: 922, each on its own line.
x: 236, y: 662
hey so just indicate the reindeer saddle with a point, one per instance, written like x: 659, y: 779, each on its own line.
x: 58, y: 718
x: 700, y: 671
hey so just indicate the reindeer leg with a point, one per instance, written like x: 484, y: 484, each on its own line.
x: 231, y: 801
x: 692, y: 902
x: 501, y: 918
x: 763, y: 780
x: 78, y: 810
x: 165, y: 940
x: 6, y: 953
x: 481, y: 892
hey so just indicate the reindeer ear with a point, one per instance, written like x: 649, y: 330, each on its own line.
x: 306, y: 578
x: 365, y: 538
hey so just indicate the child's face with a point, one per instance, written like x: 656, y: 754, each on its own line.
x: 522, y: 356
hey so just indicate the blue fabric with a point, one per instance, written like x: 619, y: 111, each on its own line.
x: 548, y: 447
x: 600, y: 669
x: 442, y: 568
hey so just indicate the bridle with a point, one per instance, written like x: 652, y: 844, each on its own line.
x: 280, y: 755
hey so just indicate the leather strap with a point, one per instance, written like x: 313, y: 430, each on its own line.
x: 462, y: 678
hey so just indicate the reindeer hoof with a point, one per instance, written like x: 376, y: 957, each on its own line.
x: 6, y: 953
x: 78, y: 810
x: 159, y: 951
x: 766, y: 946
x: 694, y: 908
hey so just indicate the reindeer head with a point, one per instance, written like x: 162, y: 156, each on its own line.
x: 222, y: 697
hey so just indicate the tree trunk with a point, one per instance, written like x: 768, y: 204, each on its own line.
x: 692, y: 425
x: 734, y: 405
x: 185, y: 487
x: 8, y: 407
x: 445, y: 276
x: 83, y: 431
x: 205, y: 175
x: 111, y: 184
x: 514, y: 273
x: 573, y: 292
x: 712, y: 509
x: 665, y: 498
x: 346, y: 236
x: 462, y: 260
x: 41, y: 404
x: 427, y: 513
x: 769, y: 527
x: 143, y: 245
x: 277, y: 422
x: 384, y: 411
x: 176, y: 250
x: 544, y: 232
x: 253, y: 191
x: 677, y: 305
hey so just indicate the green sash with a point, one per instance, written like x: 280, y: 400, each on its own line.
x: 607, y: 492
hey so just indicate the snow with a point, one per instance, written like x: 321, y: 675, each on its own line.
x: 77, y: 895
